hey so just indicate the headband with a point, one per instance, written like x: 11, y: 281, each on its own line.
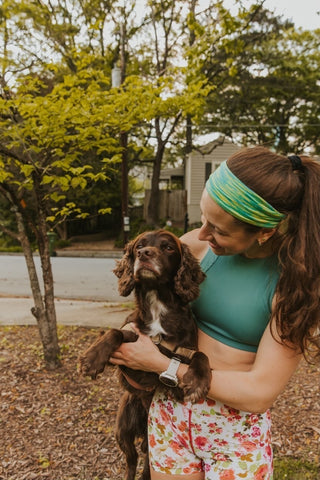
x: 239, y: 200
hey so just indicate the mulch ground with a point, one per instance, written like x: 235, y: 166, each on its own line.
x: 59, y: 426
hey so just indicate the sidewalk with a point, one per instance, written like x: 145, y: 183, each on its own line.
x: 17, y: 310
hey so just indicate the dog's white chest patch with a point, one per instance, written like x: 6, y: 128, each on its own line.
x: 157, y: 309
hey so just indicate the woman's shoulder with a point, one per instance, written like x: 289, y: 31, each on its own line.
x: 198, y: 247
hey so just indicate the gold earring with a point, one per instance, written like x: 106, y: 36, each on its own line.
x: 261, y: 241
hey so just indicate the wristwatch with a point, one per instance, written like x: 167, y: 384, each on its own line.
x: 169, y: 377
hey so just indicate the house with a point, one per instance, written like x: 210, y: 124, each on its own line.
x: 199, y: 165
x: 172, y: 178
x: 181, y: 188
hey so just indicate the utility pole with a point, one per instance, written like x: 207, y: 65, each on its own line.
x: 118, y: 77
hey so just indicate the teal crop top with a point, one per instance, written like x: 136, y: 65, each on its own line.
x: 235, y: 299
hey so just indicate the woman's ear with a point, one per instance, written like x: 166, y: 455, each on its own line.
x: 265, y: 234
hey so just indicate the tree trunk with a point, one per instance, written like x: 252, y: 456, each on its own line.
x: 153, y: 207
x: 62, y: 230
x: 44, y: 309
x: 189, y: 143
x: 153, y: 210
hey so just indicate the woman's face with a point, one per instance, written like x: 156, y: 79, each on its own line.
x: 224, y: 235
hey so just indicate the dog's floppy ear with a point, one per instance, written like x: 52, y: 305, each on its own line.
x: 124, y: 271
x: 189, y: 276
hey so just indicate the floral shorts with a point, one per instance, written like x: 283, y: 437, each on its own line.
x: 209, y: 437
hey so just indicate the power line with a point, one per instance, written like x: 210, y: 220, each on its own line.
x: 239, y: 125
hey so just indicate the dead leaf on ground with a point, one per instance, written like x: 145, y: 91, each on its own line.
x: 59, y: 426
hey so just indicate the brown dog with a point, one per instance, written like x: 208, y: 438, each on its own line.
x: 165, y: 277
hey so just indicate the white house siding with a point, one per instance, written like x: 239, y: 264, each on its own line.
x: 195, y: 172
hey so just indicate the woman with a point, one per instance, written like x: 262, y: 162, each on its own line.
x: 257, y: 314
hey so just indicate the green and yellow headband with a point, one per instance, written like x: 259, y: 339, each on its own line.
x: 239, y: 200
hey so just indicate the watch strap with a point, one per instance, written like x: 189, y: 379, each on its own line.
x: 173, y: 367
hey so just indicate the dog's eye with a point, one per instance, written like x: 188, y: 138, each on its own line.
x: 139, y: 246
x: 168, y: 247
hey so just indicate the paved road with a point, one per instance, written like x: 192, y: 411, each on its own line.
x: 74, y: 278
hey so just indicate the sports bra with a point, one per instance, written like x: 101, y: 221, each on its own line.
x: 234, y: 305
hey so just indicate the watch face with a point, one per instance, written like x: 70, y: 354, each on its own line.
x: 168, y: 380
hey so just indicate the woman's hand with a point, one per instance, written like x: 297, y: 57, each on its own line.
x: 140, y: 355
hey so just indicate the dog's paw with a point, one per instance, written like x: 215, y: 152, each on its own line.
x: 194, y: 389
x: 91, y: 366
x: 88, y: 368
x: 94, y: 360
x: 197, y: 379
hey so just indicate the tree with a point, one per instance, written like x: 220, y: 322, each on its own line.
x: 43, y: 140
x: 59, y: 124
x: 159, y: 60
x: 51, y: 143
x: 271, y: 94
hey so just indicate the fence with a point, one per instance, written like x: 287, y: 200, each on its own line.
x: 172, y: 204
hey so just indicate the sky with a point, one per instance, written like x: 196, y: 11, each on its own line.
x: 302, y: 12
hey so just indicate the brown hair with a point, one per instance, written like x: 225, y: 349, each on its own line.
x: 297, y: 194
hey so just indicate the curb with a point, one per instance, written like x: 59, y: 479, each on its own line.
x: 89, y: 254
x: 76, y: 253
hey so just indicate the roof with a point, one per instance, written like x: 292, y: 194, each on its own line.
x: 168, y: 173
x: 209, y: 147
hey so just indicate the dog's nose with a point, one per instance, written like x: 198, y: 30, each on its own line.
x: 146, y: 251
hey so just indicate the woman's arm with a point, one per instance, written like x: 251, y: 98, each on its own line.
x: 253, y: 391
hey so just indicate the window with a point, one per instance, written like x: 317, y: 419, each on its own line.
x: 208, y: 170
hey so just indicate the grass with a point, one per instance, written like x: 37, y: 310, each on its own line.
x: 295, y: 469
x: 12, y: 249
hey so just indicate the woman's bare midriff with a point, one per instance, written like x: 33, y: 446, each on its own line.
x: 223, y: 357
